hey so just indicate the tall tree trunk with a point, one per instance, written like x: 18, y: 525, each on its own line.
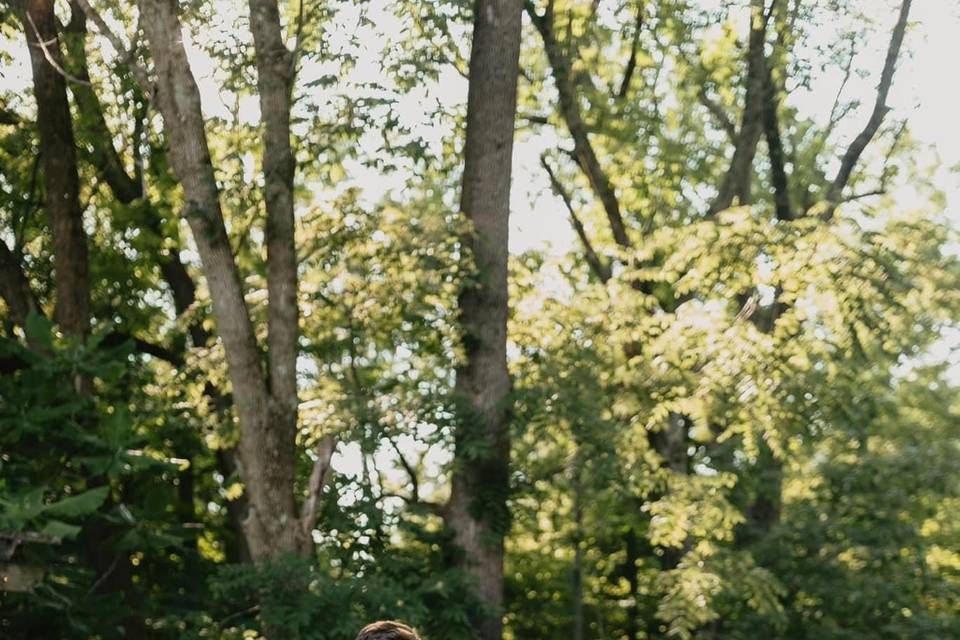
x: 58, y: 152
x: 265, y: 451
x: 477, y: 512
x: 275, y: 81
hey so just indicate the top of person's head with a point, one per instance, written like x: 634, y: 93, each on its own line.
x: 387, y: 630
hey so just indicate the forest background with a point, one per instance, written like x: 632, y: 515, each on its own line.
x: 284, y: 352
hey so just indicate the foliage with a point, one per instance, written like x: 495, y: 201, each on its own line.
x: 811, y: 492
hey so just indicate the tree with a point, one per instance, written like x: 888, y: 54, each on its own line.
x: 477, y: 510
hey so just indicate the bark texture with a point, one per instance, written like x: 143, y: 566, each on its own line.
x: 57, y: 149
x: 266, y: 453
x: 477, y: 512
x: 274, y: 81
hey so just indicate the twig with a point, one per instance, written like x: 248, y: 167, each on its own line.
x: 297, y: 42
x: 601, y: 270
x: 46, y: 54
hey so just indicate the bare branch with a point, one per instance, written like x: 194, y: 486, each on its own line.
x: 298, y: 40
x: 634, y: 48
x: 836, y: 113
x: 43, y: 44
x: 318, y: 476
x: 597, y: 265
x: 718, y: 113
x: 880, y: 108
x: 411, y: 472
x: 861, y: 196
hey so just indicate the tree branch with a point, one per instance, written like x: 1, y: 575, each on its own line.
x: 43, y: 44
x: 597, y: 265
x: 771, y: 129
x: 127, y: 56
x: 634, y: 49
x: 718, y: 113
x: 736, y: 180
x: 880, y: 108
x: 584, y: 153
x: 308, y: 518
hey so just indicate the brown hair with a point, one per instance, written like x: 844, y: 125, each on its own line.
x: 387, y: 630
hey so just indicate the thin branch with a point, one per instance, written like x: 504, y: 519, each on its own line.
x: 585, y: 155
x: 106, y: 574
x: 718, y: 113
x: 534, y: 118
x: 597, y: 265
x: 233, y: 616
x: 836, y: 114
x: 28, y: 206
x: 298, y: 41
x: 43, y: 44
x: 318, y: 476
x: 411, y: 472
x: 861, y: 196
x: 880, y: 109
x: 771, y: 129
x: 634, y: 49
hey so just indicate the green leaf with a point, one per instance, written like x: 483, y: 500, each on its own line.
x: 79, y: 505
x: 39, y: 330
x: 60, y: 529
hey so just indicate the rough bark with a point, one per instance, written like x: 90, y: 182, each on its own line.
x: 266, y: 453
x: 274, y: 82
x: 57, y: 148
x: 477, y: 512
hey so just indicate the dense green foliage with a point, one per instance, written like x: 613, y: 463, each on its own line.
x: 815, y: 490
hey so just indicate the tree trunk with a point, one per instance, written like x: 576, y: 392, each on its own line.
x: 58, y: 154
x: 265, y: 450
x: 477, y: 512
x: 274, y: 82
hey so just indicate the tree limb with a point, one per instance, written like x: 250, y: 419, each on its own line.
x: 634, y: 49
x: 771, y: 129
x: 308, y: 517
x: 718, y: 113
x: 127, y: 56
x: 597, y: 265
x: 736, y: 180
x: 584, y: 153
x: 880, y: 109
